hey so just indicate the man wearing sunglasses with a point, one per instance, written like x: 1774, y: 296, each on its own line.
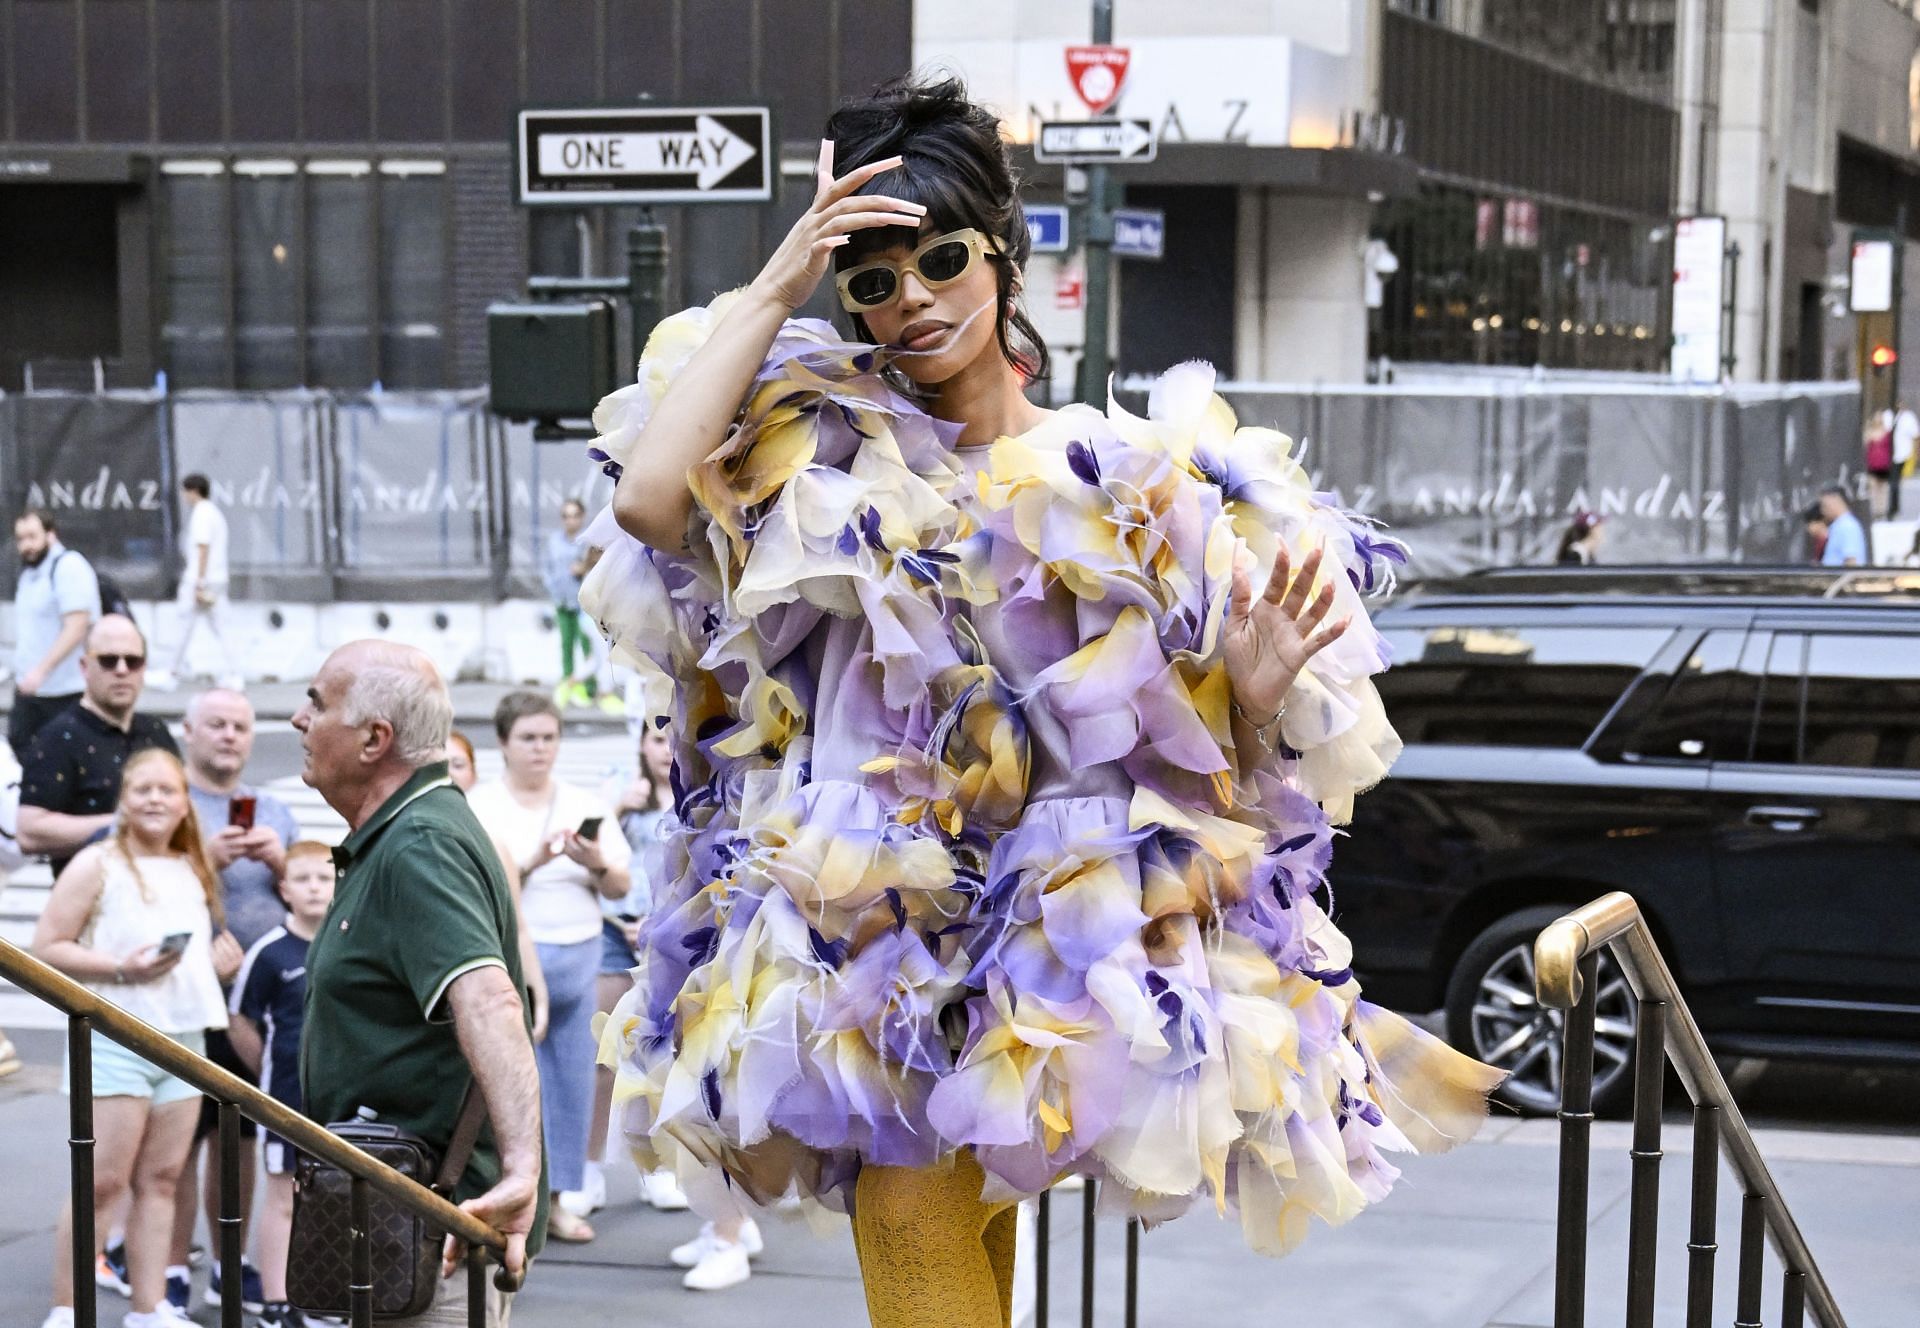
x: 70, y: 778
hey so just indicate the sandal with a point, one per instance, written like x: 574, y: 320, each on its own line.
x: 564, y: 1226
x: 9, y: 1057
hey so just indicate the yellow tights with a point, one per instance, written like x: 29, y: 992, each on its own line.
x: 932, y: 1253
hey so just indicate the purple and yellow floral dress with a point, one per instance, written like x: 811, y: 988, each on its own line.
x: 965, y: 856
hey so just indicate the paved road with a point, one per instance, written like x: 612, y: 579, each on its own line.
x: 1465, y: 1242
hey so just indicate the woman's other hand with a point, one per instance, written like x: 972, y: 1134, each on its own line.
x: 149, y: 964
x: 801, y: 262
x: 586, y: 852
x: 1268, y: 640
x: 227, y: 956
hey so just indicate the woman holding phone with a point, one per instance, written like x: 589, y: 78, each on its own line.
x: 570, y: 855
x: 138, y: 918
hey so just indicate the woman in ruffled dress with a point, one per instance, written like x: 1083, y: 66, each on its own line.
x: 1010, y: 745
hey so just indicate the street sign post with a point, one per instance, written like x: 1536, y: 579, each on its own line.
x: 1047, y: 227
x: 1139, y: 233
x: 1096, y: 141
x: 643, y: 154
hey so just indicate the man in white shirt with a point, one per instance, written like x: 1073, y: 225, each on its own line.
x: 203, y: 586
x: 1906, y: 430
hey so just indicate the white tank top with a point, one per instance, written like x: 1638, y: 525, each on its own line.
x: 187, y: 999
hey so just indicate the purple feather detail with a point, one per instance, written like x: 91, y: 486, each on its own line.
x: 1082, y: 462
x: 710, y: 1093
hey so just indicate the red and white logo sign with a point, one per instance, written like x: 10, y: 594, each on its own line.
x: 1098, y: 74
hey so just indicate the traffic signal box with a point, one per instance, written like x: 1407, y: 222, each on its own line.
x: 549, y: 361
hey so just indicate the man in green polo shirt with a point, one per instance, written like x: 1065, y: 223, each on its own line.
x: 413, y: 981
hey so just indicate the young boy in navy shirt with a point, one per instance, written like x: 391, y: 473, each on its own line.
x: 267, y: 1002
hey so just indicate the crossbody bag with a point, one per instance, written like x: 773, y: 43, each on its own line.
x: 406, y: 1247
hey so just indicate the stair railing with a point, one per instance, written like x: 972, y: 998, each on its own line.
x: 1566, y: 959
x: 87, y: 1013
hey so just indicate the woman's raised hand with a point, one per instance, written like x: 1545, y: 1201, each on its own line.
x: 1270, y: 639
x: 801, y: 262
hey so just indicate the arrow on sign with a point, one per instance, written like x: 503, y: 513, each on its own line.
x: 1096, y: 140
x: 709, y: 151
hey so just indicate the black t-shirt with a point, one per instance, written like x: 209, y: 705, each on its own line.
x: 73, y: 763
x: 272, y: 991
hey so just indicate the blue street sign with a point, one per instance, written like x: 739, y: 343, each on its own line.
x: 1139, y: 233
x: 1047, y: 224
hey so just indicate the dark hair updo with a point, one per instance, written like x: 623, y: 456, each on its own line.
x: 956, y: 166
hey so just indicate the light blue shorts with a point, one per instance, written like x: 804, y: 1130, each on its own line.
x: 118, y: 1072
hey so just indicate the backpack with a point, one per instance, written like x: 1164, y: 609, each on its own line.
x: 112, y: 598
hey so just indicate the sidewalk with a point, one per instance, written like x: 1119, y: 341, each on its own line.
x: 1465, y: 1241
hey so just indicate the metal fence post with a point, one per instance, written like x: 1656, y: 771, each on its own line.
x: 1042, y: 1256
x: 231, y: 1218
x: 80, y: 1146
x: 1088, y: 1232
x: 1576, y: 1132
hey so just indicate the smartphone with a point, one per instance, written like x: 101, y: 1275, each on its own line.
x: 175, y: 943
x: 590, y: 828
x: 240, y: 810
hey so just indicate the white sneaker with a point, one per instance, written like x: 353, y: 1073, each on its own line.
x: 724, y: 1266
x: 164, y: 1315
x: 591, y: 1197
x: 661, y: 1190
x: 691, y: 1253
x: 60, y: 1316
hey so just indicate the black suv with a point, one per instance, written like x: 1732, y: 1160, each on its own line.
x: 1738, y: 748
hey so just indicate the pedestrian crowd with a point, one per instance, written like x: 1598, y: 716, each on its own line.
x: 462, y: 939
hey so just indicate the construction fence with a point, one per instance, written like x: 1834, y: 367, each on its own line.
x: 427, y: 496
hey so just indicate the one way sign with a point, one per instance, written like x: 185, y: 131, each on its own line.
x: 644, y: 155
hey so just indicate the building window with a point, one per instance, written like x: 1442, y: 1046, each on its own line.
x: 193, y: 333
x: 413, y: 274
x: 340, y: 276
x: 327, y: 273
x: 1496, y: 279
x: 268, y: 258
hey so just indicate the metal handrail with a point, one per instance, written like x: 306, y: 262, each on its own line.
x: 81, y: 1003
x: 1565, y: 956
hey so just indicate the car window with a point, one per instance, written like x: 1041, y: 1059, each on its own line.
x: 1511, y: 686
x: 1685, y: 724
x: 1862, y: 701
x: 1776, y: 712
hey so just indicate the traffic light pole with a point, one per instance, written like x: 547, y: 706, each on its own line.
x: 646, y: 278
x: 1096, y: 365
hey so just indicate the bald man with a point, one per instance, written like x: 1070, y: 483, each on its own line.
x: 414, y: 981
x: 70, y: 776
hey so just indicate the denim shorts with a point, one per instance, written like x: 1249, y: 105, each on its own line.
x: 616, y: 956
x: 118, y: 1072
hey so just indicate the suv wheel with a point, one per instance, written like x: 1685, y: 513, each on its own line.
x: 1493, y: 1014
